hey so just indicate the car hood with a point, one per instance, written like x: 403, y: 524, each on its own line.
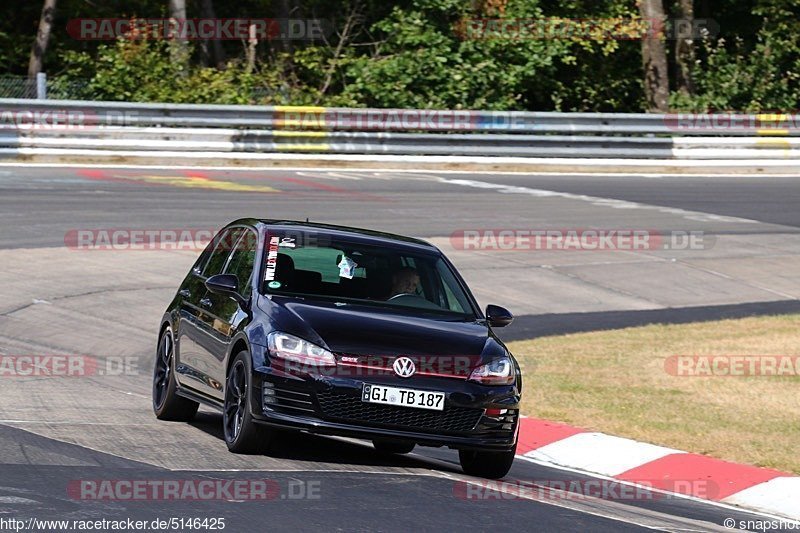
x: 368, y: 330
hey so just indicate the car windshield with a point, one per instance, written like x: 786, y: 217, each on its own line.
x: 306, y: 264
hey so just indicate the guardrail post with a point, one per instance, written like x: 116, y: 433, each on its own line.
x: 41, y: 86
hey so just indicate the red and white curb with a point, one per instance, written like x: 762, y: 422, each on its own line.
x: 661, y: 468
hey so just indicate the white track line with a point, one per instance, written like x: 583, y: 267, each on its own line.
x: 613, y: 203
x: 601, y: 508
x: 397, y: 170
x: 718, y: 504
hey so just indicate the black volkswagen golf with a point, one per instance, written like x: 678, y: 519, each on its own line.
x: 341, y: 331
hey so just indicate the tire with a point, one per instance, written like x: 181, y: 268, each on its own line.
x: 167, y: 405
x: 393, y: 446
x: 491, y: 465
x: 242, y: 434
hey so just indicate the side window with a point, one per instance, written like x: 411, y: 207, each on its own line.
x: 242, y: 261
x: 454, y: 303
x: 222, y: 249
x: 203, y: 259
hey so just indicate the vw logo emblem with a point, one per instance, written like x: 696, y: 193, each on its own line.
x: 404, y: 367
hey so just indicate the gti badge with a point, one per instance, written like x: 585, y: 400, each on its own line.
x: 404, y: 367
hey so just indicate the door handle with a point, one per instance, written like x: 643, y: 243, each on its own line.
x: 206, y: 302
x: 185, y: 293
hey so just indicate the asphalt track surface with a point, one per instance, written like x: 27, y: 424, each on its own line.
x: 55, y: 431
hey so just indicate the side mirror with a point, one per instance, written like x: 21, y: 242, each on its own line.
x: 226, y: 285
x: 497, y: 316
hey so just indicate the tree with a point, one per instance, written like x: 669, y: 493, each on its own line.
x: 179, y: 48
x: 40, y: 43
x: 654, y: 56
x: 285, y: 8
x: 684, y: 47
x: 213, y: 55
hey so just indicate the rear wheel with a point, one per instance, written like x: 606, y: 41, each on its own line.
x: 242, y: 434
x: 492, y: 465
x: 393, y: 446
x: 167, y: 405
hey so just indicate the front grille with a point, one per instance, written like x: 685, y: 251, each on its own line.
x: 350, y: 408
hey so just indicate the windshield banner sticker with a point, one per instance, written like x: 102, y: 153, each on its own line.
x: 272, y: 258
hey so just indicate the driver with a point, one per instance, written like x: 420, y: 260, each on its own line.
x: 405, y: 281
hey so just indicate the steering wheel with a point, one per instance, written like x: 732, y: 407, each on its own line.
x: 414, y: 300
x: 403, y: 295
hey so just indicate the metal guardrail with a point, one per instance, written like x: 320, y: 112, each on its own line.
x: 111, y: 126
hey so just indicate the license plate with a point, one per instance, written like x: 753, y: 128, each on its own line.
x: 404, y: 397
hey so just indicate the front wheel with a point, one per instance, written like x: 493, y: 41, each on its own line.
x: 167, y: 405
x: 242, y: 434
x: 491, y: 465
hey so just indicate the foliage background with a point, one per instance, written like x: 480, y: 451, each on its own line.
x: 411, y: 53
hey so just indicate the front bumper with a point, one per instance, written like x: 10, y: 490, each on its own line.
x: 332, y: 406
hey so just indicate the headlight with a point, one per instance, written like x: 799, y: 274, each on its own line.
x: 497, y: 372
x: 298, y: 350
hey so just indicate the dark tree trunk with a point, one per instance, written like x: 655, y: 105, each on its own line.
x: 684, y: 46
x: 214, y: 54
x: 40, y: 44
x: 285, y: 9
x: 654, y: 56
